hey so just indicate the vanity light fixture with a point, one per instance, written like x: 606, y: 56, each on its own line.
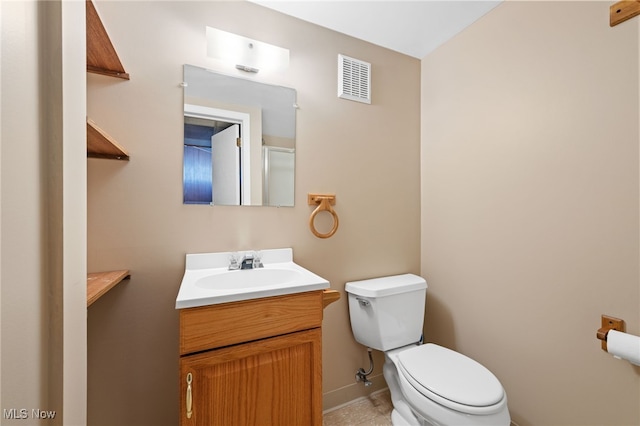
x: 244, y: 53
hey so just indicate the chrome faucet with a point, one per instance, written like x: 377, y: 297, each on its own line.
x: 250, y: 260
x: 247, y: 262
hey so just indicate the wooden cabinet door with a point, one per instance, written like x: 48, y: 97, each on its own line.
x: 275, y: 381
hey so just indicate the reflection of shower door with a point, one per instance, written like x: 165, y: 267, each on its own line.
x: 225, y: 162
x: 278, y: 179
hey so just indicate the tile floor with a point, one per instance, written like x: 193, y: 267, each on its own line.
x: 374, y: 410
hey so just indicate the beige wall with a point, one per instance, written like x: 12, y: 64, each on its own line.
x: 530, y: 205
x: 367, y: 154
x: 43, y: 215
x: 24, y: 348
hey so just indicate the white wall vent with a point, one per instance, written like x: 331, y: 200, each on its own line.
x: 354, y: 79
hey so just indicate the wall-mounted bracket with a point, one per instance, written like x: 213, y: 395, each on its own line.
x: 324, y: 203
x: 609, y: 323
x: 622, y: 11
x: 314, y: 199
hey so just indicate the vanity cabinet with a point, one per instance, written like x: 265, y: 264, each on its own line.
x: 254, y: 362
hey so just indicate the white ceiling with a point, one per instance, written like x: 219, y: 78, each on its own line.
x: 414, y: 28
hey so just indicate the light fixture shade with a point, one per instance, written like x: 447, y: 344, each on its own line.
x: 244, y: 53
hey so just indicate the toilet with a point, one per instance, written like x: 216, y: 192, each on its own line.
x: 429, y: 384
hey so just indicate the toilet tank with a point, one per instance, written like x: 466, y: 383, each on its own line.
x: 387, y: 312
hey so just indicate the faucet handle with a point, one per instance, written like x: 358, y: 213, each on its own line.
x: 233, y: 261
x: 257, y: 259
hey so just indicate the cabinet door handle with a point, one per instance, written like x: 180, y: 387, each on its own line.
x: 189, y: 397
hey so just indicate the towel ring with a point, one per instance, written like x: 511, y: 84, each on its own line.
x: 324, y: 202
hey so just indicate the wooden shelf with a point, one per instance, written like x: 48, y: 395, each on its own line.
x: 98, y: 283
x: 623, y: 11
x: 102, y: 57
x: 101, y: 145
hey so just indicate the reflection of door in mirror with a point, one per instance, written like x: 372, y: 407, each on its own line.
x: 225, y: 165
x: 217, y: 157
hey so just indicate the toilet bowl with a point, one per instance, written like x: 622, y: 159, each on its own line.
x: 443, y: 387
x: 429, y: 384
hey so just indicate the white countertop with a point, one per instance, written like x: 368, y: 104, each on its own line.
x: 207, y: 279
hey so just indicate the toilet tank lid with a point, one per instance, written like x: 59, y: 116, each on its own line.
x: 386, y: 286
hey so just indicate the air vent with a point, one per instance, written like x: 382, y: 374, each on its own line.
x: 354, y: 79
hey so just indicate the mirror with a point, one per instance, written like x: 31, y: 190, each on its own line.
x: 239, y: 141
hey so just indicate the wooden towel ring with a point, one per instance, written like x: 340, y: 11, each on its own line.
x: 324, y: 202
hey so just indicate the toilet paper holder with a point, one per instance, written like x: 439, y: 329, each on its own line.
x: 609, y: 323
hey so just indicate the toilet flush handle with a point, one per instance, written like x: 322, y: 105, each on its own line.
x: 363, y: 302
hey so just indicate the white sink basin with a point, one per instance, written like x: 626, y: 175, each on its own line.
x: 248, y: 278
x: 207, y: 279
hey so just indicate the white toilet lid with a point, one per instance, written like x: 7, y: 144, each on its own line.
x: 450, y: 375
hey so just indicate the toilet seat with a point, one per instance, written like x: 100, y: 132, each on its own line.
x: 451, y: 379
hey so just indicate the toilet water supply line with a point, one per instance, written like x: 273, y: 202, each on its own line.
x: 361, y: 375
